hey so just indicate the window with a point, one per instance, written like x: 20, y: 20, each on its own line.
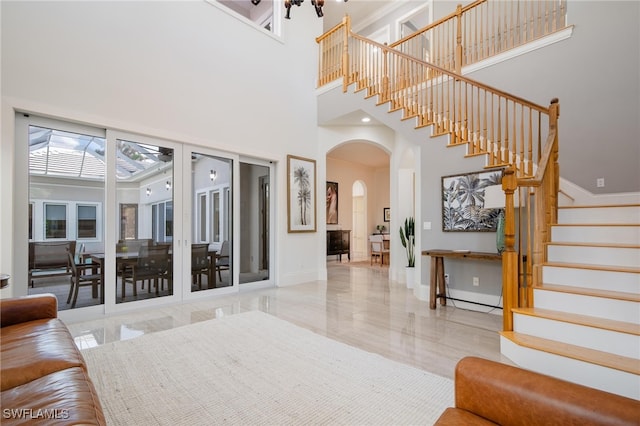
x: 30, y: 221
x: 260, y: 13
x: 202, y: 220
x: 162, y: 221
x: 227, y: 223
x: 216, y: 216
x: 87, y: 221
x: 55, y: 220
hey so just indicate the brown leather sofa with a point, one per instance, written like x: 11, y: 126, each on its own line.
x: 489, y: 393
x: 43, y: 374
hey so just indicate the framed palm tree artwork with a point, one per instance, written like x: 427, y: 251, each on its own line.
x: 463, y: 199
x: 301, y: 194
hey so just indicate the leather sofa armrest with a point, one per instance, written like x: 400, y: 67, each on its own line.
x: 511, y: 395
x: 28, y: 308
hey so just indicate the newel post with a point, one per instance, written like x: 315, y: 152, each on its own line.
x: 509, y: 255
x: 458, y: 64
x: 346, y: 21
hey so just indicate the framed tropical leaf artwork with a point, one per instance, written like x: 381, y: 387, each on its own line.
x: 301, y: 194
x: 463, y: 202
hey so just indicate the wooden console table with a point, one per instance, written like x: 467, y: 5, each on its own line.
x: 436, y: 286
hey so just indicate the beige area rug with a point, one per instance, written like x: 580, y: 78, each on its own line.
x: 255, y: 369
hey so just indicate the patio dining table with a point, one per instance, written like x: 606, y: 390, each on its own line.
x: 130, y: 258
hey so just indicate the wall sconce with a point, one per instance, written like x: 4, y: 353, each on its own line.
x: 148, y: 191
x: 168, y: 185
x: 213, y: 175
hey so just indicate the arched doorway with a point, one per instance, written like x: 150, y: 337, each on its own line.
x: 359, y: 170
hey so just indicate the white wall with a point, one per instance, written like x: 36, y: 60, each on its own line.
x: 183, y: 71
x: 595, y: 74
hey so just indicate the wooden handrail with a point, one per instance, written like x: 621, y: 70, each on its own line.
x: 453, y: 75
x: 537, y: 180
x: 436, y: 23
x: 332, y: 30
x: 483, y: 29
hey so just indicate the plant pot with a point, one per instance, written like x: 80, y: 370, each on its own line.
x: 410, y: 276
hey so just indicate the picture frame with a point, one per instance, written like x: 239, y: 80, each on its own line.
x: 332, y: 203
x: 463, y: 202
x: 301, y: 194
x: 386, y: 214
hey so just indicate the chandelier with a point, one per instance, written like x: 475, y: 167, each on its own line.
x: 315, y: 3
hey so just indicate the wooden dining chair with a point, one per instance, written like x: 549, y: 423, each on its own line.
x: 200, y: 264
x: 152, y: 265
x: 222, y: 259
x: 378, y: 251
x: 82, y: 274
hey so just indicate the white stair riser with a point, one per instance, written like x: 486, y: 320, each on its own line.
x: 600, y: 215
x: 596, y: 234
x: 622, y: 344
x: 610, y: 256
x: 584, y: 373
x: 627, y: 282
x: 617, y: 310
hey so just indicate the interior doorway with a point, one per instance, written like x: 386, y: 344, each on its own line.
x: 360, y: 235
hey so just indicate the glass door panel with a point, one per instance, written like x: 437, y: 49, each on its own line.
x: 254, y: 223
x: 211, y: 262
x: 145, y: 251
x: 66, y: 214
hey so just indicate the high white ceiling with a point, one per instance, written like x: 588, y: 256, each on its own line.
x: 334, y: 11
x: 358, y: 10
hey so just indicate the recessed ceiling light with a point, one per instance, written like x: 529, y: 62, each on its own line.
x: 366, y: 120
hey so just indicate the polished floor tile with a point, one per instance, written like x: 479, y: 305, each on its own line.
x: 358, y: 305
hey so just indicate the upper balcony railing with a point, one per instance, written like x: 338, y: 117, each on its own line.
x: 483, y: 29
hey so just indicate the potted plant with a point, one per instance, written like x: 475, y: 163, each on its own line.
x: 407, y: 236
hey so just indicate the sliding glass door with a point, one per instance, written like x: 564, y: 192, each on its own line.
x: 112, y: 219
x: 211, y: 259
x: 144, y: 251
x: 255, y: 223
x: 66, y: 181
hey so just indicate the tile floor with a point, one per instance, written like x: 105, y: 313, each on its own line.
x: 358, y: 305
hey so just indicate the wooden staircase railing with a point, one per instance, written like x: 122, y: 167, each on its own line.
x: 483, y: 29
x: 507, y: 129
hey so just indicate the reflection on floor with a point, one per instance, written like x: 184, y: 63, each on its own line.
x: 357, y: 306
